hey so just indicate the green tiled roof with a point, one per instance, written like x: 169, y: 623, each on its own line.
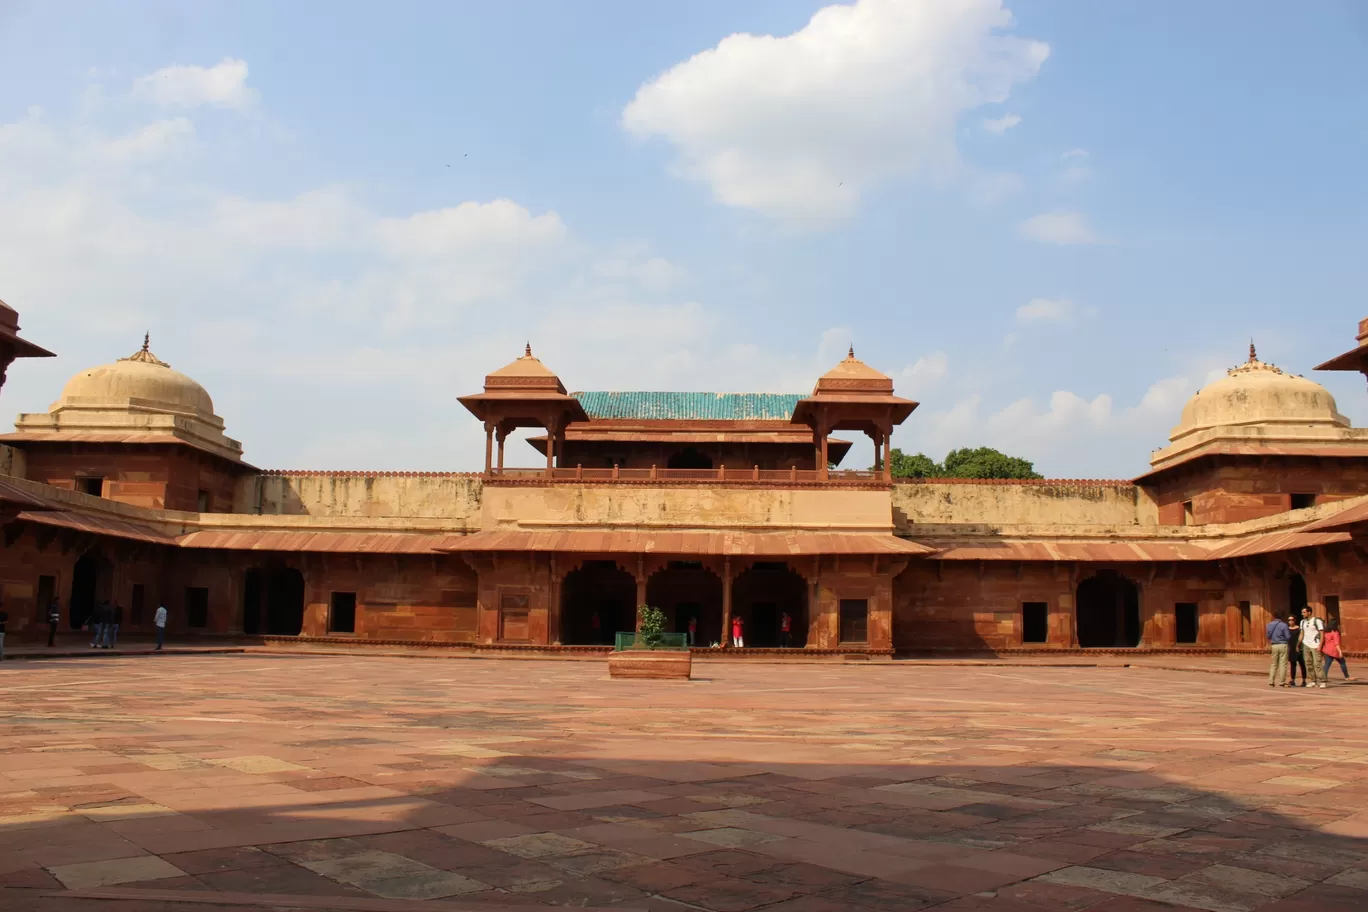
x: 683, y: 406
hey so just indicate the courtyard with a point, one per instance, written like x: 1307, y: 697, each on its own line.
x: 382, y: 783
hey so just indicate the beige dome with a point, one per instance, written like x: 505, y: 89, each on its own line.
x: 140, y: 383
x: 1259, y: 394
x: 135, y: 399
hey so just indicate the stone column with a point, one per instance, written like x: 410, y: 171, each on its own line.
x: 489, y: 446
x: 726, y: 602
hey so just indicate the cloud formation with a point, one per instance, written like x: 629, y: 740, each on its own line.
x: 1046, y: 310
x: 1063, y: 228
x: 799, y: 126
x: 222, y: 85
x: 1000, y: 125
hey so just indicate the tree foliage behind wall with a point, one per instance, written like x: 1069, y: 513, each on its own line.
x: 976, y: 462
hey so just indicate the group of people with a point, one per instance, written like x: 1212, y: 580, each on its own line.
x: 1308, y: 643
x: 103, y: 623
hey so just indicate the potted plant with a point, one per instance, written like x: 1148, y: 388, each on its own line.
x: 650, y: 652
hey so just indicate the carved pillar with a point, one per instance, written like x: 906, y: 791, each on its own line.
x: 489, y: 446
x: 641, y: 587
x: 726, y: 602
x: 553, y: 608
x: 888, y: 454
x: 502, y: 435
x: 550, y: 448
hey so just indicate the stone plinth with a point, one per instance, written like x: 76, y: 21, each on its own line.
x: 660, y: 664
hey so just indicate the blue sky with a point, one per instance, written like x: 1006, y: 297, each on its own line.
x: 1050, y: 223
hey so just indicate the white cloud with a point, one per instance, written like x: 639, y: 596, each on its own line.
x: 1066, y: 228
x: 1000, y: 125
x: 222, y: 85
x: 1075, y: 153
x: 800, y: 125
x: 152, y: 141
x: 1046, y: 310
x: 926, y: 373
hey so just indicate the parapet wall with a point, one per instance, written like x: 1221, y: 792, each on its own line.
x: 12, y: 462
x: 396, y: 494
x: 1003, y: 502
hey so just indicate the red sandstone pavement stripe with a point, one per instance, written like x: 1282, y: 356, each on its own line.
x: 101, y: 899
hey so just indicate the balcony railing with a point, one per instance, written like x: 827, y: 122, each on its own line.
x: 722, y: 474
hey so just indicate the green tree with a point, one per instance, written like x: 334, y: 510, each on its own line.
x: 986, y: 462
x: 905, y: 465
x: 976, y: 462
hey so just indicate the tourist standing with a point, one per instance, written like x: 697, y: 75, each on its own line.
x: 112, y: 628
x: 1278, y: 636
x: 1333, y: 648
x: 1294, y: 652
x: 96, y: 624
x: 737, y: 639
x: 1312, y: 629
x: 159, y: 621
x: 785, y: 629
x: 54, y: 617
x: 693, y: 629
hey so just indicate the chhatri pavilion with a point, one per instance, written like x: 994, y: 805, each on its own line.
x: 709, y: 506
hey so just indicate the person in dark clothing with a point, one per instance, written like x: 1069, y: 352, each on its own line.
x: 112, y: 627
x: 1294, y: 652
x: 54, y: 617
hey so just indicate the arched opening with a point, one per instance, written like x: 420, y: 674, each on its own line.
x: 1108, y: 611
x: 687, y: 590
x: 689, y: 458
x: 85, y: 587
x: 284, y: 588
x: 597, y: 602
x: 762, y: 596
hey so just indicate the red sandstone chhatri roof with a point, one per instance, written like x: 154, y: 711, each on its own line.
x: 9, y: 332
x: 1355, y: 359
x: 526, y: 380
x: 852, y: 382
x: 753, y: 544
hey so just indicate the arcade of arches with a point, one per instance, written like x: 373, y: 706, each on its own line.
x: 599, y: 598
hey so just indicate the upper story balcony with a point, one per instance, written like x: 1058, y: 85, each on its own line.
x: 654, y: 475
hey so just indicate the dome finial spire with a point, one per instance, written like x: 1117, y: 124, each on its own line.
x: 851, y: 353
x: 147, y: 340
x: 1252, y: 356
x: 527, y: 352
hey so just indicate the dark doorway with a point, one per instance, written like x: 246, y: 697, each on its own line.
x: 251, y: 601
x: 197, y: 607
x: 1185, y: 622
x: 690, y: 458
x: 854, y: 622
x: 284, y: 601
x: 137, y: 604
x: 1035, y: 622
x: 687, y: 589
x: 85, y: 585
x: 47, y: 588
x: 762, y: 595
x: 597, y: 602
x: 342, y: 613
x: 1108, y: 611
x: 1296, y: 594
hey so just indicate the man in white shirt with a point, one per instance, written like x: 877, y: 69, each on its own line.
x: 1312, y: 628
x: 159, y: 621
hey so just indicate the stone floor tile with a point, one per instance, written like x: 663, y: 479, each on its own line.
x: 119, y: 871
x: 231, y: 859
x: 1104, y: 880
x: 731, y: 837
x: 540, y: 845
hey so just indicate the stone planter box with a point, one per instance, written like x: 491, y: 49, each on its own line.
x: 659, y: 664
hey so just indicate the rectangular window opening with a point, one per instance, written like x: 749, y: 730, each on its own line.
x: 197, y: 607
x: 1246, y: 622
x: 1331, y: 603
x: 202, y: 502
x: 854, y: 628
x: 1185, y: 614
x: 1302, y: 501
x: 1187, y: 513
x: 342, y: 613
x: 135, y: 604
x: 94, y: 486
x: 1035, y: 622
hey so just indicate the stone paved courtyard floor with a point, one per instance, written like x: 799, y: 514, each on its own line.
x: 210, y: 782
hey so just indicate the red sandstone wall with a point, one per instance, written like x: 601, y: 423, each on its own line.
x: 1235, y: 491
x: 157, y: 476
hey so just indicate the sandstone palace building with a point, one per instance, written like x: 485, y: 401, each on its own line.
x: 706, y: 505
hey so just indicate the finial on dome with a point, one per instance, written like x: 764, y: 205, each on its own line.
x: 1252, y: 356
x: 851, y: 353
x: 144, y: 355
